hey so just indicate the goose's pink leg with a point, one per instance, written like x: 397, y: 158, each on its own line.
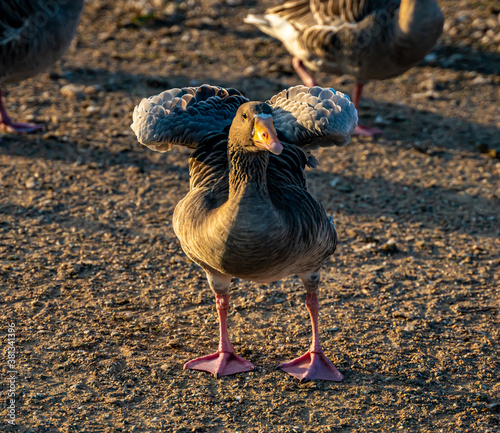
x: 302, y: 72
x: 360, y: 129
x: 313, y: 365
x: 225, y: 361
x: 7, y: 125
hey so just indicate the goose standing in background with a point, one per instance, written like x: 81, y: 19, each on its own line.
x: 369, y: 39
x: 33, y: 35
x: 248, y: 213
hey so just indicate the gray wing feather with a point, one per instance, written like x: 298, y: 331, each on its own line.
x: 314, y: 117
x: 184, y: 116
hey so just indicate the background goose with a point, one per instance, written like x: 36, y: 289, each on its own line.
x: 248, y: 213
x: 369, y: 39
x: 33, y: 35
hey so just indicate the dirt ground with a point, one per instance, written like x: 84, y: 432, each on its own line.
x: 107, y: 308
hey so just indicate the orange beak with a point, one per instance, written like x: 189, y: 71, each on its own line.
x: 265, y: 135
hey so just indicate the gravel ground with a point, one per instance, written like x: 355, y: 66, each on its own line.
x: 107, y: 308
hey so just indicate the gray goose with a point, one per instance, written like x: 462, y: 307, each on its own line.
x: 33, y: 35
x: 248, y: 213
x: 369, y: 39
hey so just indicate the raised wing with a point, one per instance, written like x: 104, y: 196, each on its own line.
x: 335, y: 12
x: 296, y: 12
x: 312, y: 117
x: 184, y: 116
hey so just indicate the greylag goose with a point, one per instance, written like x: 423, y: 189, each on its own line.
x: 369, y: 39
x: 33, y: 35
x: 248, y: 213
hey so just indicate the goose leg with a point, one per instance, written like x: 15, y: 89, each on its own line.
x: 313, y: 365
x: 224, y: 362
x: 7, y: 125
x: 302, y: 72
x: 361, y: 129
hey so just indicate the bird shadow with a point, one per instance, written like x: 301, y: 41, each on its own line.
x: 115, y: 81
x: 465, y: 58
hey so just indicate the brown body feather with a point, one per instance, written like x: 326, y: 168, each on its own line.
x: 369, y: 39
x: 251, y: 216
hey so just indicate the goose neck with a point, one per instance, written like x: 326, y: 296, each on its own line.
x: 415, y: 16
x: 247, y: 171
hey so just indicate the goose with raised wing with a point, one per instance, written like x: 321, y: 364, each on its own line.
x: 368, y: 39
x: 248, y: 213
x: 33, y: 35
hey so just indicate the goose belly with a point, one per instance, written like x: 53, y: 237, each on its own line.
x: 260, y: 246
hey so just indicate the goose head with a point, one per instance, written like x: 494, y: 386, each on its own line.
x: 252, y: 130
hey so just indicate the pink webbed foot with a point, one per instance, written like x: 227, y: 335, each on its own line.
x: 312, y: 366
x: 220, y: 364
x: 19, y: 128
x: 367, y: 131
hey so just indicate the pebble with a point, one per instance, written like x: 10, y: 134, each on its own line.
x: 30, y: 183
x: 251, y: 70
x: 91, y: 109
x: 93, y: 89
x: 72, y: 91
x: 390, y: 246
x: 431, y: 58
x: 379, y: 120
x: 481, y: 80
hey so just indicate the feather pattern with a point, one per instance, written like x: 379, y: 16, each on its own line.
x: 306, y: 117
x: 248, y: 213
x: 369, y: 39
x: 184, y: 116
x: 314, y: 117
x: 242, y: 233
x: 34, y: 34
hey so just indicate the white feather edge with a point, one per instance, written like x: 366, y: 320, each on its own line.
x: 308, y: 117
x: 150, y: 116
x: 311, y: 117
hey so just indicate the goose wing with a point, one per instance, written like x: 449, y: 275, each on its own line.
x: 184, y: 116
x: 329, y: 12
x: 307, y: 13
x: 312, y: 117
x: 208, y: 164
x: 296, y: 12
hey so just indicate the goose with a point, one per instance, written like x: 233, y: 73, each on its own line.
x: 248, y: 213
x: 33, y: 35
x: 368, y: 39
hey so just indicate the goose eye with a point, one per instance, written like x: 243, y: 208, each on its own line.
x: 244, y: 115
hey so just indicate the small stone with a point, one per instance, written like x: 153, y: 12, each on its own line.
x: 379, y: 120
x: 30, y: 183
x: 390, y: 246
x: 251, y: 70
x: 72, y: 91
x: 334, y: 182
x: 431, y: 58
x: 93, y: 89
x: 91, y: 109
x: 481, y: 80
